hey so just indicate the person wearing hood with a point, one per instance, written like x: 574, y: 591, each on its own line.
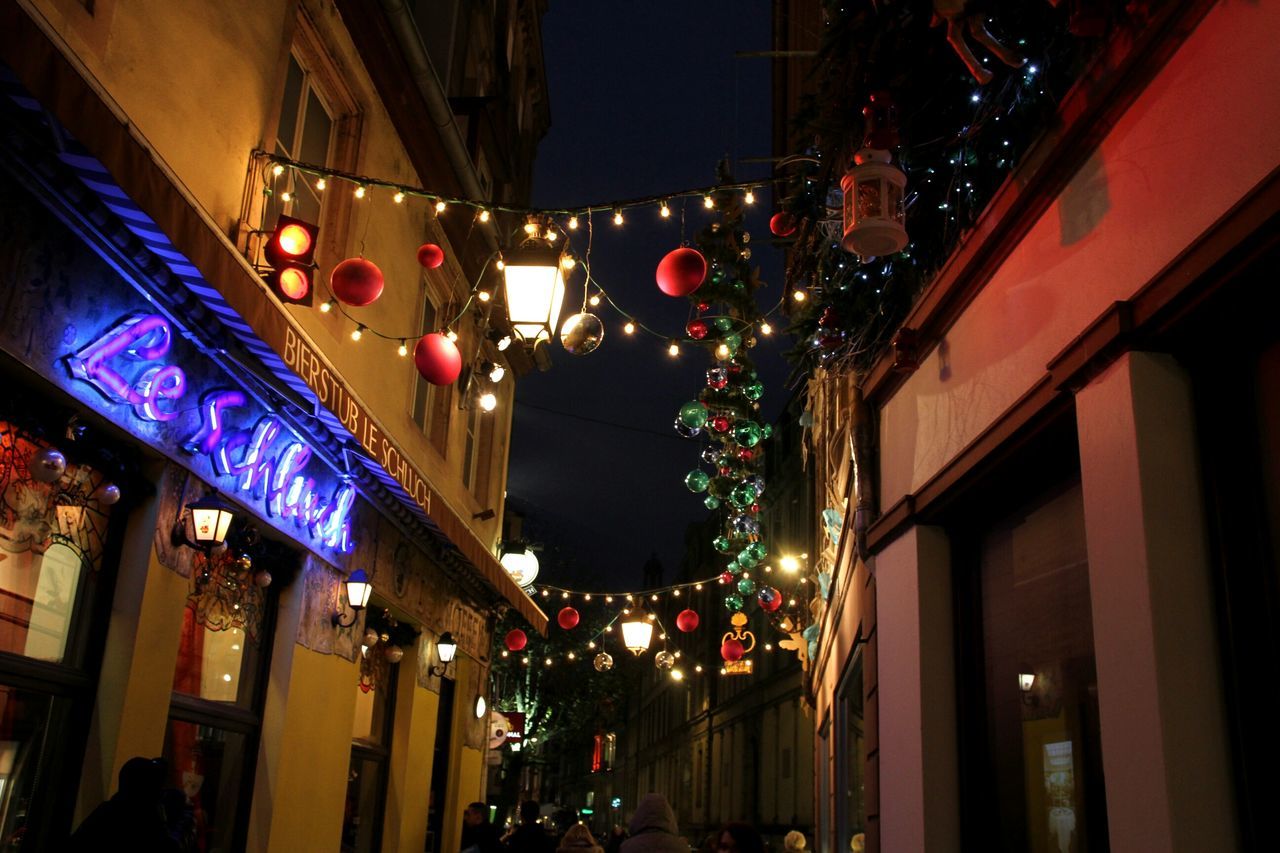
x: 578, y: 839
x: 653, y: 828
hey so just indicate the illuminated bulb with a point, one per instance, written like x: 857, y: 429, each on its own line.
x: 792, y: 602
x: 360, y: 191
x: 789, y: 564
x: 277, y: 170
x: 768, y: 647
x: 482, y: 295
x: 768, y: 570
x: 708, y: 202
x: 722, y: 351
x: 501, y: 265
x: 594, y: 300
x: 357, y: 333
x: 766, y: 329
x: 402, y: 350
x: 440, y: 206
x: 488, y: 401
x: 398, y: 198
x: 504, y: 343
x: 506, y: 654
x: 698, y: 668
x: 321, y: 183
x: 673, y: 349
x: 531, y: 228
x: 551, y: 236
x: 746, y: 575
x: 586, y: 597
x: 677, y: 675
x: 652, y: 616
x: 571, y: 656
x: 653, y: 597
x: 564, y: 595
x: 573, y: 223
x: 664, y: 211
x: 547, y: 662
x: 799, y: 295
x: 545, y: 593
x: 567, y: 262
x: 675, y: 593
x: 524, y: 661
x: 617, y: 217
x: 286, y: 196
x: 629, y: 328
x: 495, y: 376
x: 452, y: 336
x: 326, y: 307
x: 591, y: 644
x: 698, y: 587
x: 484, y: 216
x: 750, y: 197
x: 608, y: 599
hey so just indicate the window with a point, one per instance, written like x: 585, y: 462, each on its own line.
x: 53, y: 539
x: 422, y: 389
x: 1033, y: 761
x: 851, y: 757
x: 215, y: 713
x: 375, y: 699
x: 440, y: 766
x: 305, y: 133
x: 470, y: 448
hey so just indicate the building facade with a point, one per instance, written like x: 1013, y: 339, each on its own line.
x: 148, y: 362
x: 1045, y: 636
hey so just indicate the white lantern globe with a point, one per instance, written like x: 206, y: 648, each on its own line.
x: 873, y: 211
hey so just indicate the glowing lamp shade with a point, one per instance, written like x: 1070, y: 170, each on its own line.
x: 210, y: 520
x: 534, y: 291
x: 637, y: 633
x: 522, y: 565
x: 481, y: 707
x: 873, y: 210
x: 1026, y: 680
x: 447, y: 648
x: 358, y: 589
x: 294, y: 240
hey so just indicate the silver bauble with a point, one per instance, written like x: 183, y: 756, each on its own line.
x: 108, y: 494
x: 394, y: 654
x: 664, y: 661
x: 370, y: 637
x: 686, y: 431
x: 262, y: 577
x: 745, y: 525
x: 47, y: 465
x: 581, y: 333
x: 603, y: 662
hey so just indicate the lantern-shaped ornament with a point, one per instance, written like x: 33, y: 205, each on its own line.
x: 873, y: 212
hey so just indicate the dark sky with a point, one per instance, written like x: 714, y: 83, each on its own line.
x: 645, y: 99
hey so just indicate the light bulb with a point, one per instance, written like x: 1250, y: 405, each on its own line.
x: 496, y: 374
x: 501, y: 265
x: 629, y: 328
x: 360, y: 191
x: 799, y: 295
x: 403, y: 349
x: 482, y: 295
x: 488, y: 401
x: 708, y: 202
x: 484, y: 216
x: 617, y: 217
x: 594, y: 300
x: 321, y: 183
x: 551, y: 236
x: 326, y: 307
x: 722, y: 351
x: 673, y: 349
x: 452, y: 336
x: 567, y: 262
x: 398, y: 198
x: 573, y: 223
x: 357, y: 333
x: 440, y: 206
x: 766, y: 329
x: 750, y: 197
x: 286, y: 196
x: 664, y: 211
x: 531, y: 228
x: 277, y: 170
x: 504, y: 342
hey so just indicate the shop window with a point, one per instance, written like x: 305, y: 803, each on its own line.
x: 1032, y: 760
x: 375, y: 697
x: 851, y: 757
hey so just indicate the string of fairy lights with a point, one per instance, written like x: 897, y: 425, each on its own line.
x: 287, y: 172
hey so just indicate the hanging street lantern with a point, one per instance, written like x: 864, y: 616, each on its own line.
x: 534, y: 276
x: 210, y: 522
x: 637, y: 632
x: 873, y: 189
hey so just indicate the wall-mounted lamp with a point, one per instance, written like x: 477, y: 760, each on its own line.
x: 358, y: 591
x: 211, y: 519
x: 447, y: 650
x: 1026, y: 680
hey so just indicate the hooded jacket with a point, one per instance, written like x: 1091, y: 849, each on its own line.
x: 653, y: 828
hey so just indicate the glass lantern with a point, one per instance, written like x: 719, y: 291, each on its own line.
x: 873, y: 212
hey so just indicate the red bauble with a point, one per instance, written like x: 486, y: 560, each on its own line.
x: 687, y: 620
x: 782, y: 224
x: 746, y: 454
x: 734, y: 368
x: 755, y: 507
x: 719, y: 423
x: 732, y: 650
x: 430, y: 255
x: 567, y: 618
x: 681, y: 272
x: 726, y: 577
x: 697, y: 329
x: 770, y: 599
x: 516, y: 640
x: 437, y: 359
x: 725, y: 470
x: 356, y: 282
x: 702, y: 306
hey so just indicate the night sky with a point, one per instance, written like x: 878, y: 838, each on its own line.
x: 645, y: 99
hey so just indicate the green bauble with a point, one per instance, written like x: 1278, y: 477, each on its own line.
x: 733, y: 342
x: 697, y: 480
x: 693, y: 414
x: 746, y: 559
x: 740, y: 286
x: 733, y: 568
x: 754, y: 391
x: 723, y: 324
x: 758, y: 550
x: 743, y: 496
x: 746, y: 586
x: 718, y: 275
x: 711, y: 502
x: 767, y: 432
x: 721, y: 544
x: 733, y: 603
x: 725, y: 460
x: 748, y: 433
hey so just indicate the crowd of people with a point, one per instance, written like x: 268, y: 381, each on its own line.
x: 652, y: 829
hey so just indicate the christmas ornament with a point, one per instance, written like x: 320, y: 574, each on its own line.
x: 664, y: 661
x: 769, y: 598
x: 567, y: 618
x: 721, y: 544
x: 723, y: 324
x: 743, y: 525
x: 782, y: 224
x: 710, y: 454
x: 873, y: 189
x: 717, y: 378
x: 687, y: 621
x: 697, y: 329
x: 726, y: 577
x: 746, y: 454
x: 742, y: 496
x: 108, y: 494
x: 732, y: 650
x: 603, y: 662
x: 516, y: 640
x: 746, y: 586
x: 720, y: 424
x: 697, y: 481
x: 430, y: 255
x: 681, y: 272
x: 437, y: 359
x: 47, y: 465
x: 693, y: 414
x: 746, y: 559
x: 754, y: 391
x: 356, y: 282
x: 757, y: 550
x: 581, y: 333
x: 393, y: 654
x: 756, y: 482
x: 747, y: 433
x: 244, y: 562
x: 262, y: 578
x: 686, y: 431
x: 711, y: 502
x: 370, y: 637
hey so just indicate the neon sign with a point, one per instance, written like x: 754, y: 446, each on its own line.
x: 266, y: 464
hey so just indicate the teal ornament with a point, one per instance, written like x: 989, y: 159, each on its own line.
x: 697, y: 480
x: 742, y: 496
x: 733, y: 568
x: 767, y: 432
x: 722, y: 324
x: 733, y: 341
x: 748, y: 433
x: 721, y: 544
x: 746, y: 586
x: 758, y: 550
x: 693, y: 414
x: 754, y: 391
x: 733, y: 603
x: 711, y: 502
x: 747, y: 559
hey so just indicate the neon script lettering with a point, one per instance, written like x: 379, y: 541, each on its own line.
x: 277, y: 479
